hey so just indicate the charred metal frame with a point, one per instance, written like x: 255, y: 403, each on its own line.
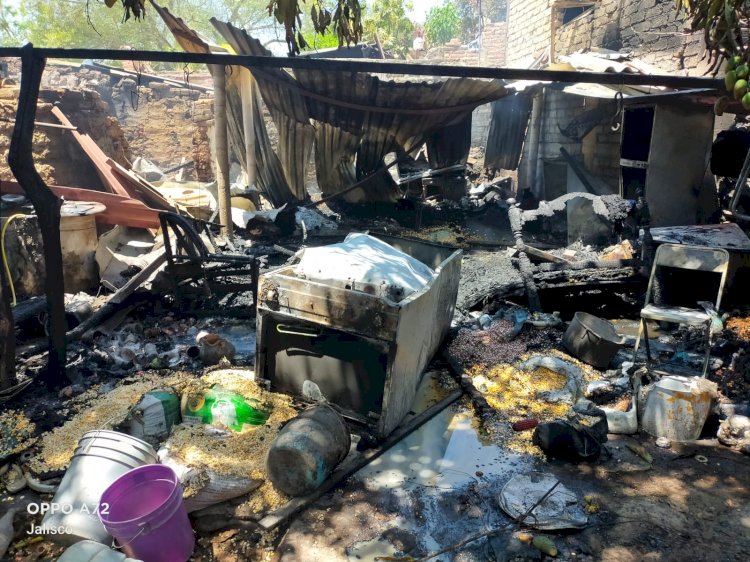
x: 47, y: 205
x: 193, y: 270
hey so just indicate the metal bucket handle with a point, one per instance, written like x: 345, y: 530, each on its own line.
x: 145, y: 528
x: 587, y: 330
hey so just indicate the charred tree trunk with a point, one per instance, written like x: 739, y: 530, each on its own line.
x: 46, y: 205
x: 524, y: 264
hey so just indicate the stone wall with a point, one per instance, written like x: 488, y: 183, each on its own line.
x: 160, y: 119
x: 650, y: 29
x: 59, y: 160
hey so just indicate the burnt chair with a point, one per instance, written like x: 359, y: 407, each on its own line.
x: 199, y: 277
x: 694, y: 258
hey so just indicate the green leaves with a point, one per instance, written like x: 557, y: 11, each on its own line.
x: 721, y: 22
x: 345, y: 20
x: 443, y: 24
x: 388, y: 19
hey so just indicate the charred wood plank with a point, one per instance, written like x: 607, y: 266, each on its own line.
x: 28, y: 309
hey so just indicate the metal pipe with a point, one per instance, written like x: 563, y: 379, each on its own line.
x: 384, y: 67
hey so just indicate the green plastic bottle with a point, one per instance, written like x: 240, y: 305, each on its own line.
x: 223, y: 408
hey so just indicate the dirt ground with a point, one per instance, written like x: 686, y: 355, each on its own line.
x: 680, y: 509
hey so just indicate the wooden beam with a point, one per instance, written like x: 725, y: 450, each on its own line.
x: 95, y: 154
x: 47, y: 125
x: 221, y: 148
x: 47, y: 207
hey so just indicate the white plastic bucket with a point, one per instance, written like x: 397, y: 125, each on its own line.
x: 78, y: 240
x: 100, y: 458
x: 677, y: 407
x: 90, y: 551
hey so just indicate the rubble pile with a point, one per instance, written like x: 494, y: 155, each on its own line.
x: 197, y: 357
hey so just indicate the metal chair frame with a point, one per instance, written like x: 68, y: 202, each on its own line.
x: 694, y: 258
x: 192, y: 268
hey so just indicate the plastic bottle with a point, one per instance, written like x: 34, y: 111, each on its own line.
x: 223, y: 408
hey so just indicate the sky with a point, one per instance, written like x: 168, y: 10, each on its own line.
x: 421, y: 7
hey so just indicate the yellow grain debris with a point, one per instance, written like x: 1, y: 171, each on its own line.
x: 515, y: 394
x: 16, y: 431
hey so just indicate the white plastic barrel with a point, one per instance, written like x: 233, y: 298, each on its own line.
x: 78, y: 241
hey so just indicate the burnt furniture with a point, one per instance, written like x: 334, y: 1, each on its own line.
x: 194, y: 271
x: 693, y: 258
x: 365, y: 353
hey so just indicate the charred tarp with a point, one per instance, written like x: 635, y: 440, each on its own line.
x: 369, y: 115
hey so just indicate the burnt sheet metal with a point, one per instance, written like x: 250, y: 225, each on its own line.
x: 728, y: 236
x: 389, y: 115
x: 286, y: 105
x: 508, y: 124
x: 334, y: 161
x: 450, y: 145
x: 271, y: 178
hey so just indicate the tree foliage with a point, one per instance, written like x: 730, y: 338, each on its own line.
x: 85, y: 23
x: 468, y: 10
x: 722, y: 23
x: 76, y: 23
x: 442, y: 24
x: 388, y: 19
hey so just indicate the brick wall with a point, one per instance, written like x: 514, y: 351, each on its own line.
x: 528, y: 31
x: 650, y: 29
x: 494, y: 44
x: 493, y: 50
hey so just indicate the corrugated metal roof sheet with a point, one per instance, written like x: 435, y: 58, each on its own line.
x: 605, y: 62
x: 389, y: 115
x: 271, y: 177
x: 510, y: 119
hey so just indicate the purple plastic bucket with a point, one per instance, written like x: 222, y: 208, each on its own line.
x: 144, y: 511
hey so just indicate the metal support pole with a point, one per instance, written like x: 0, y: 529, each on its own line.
x: 248, y: 125
x: 46, y: 205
